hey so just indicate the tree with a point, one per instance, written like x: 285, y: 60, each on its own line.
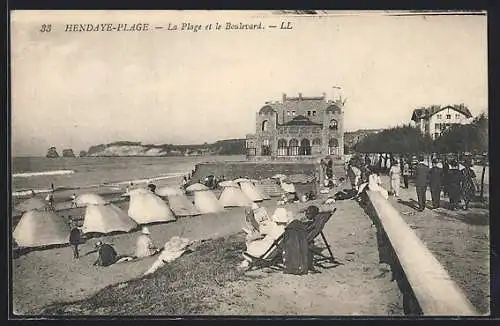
x: 397, y: 140
x: 460, y: 138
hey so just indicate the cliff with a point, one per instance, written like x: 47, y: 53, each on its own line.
x: 52, y: 153
x: 127, y: 148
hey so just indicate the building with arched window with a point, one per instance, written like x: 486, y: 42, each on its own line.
x: 298, y: 128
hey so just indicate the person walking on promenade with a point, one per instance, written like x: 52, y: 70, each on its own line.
x: 446, y: 169
x: 351, y: 176
x: 467, y: 185
x: 395, y: 175
x: 406, y: 172
x: 329, y: 169
x: 436, y: 181
x: 454, y: 179
x: 421, y: 182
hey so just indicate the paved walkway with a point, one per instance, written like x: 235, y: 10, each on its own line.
x: 459, y: 240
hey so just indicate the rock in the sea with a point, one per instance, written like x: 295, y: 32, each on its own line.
x: 83, y: 153
x: 68, y: 153
x: 52, y: 153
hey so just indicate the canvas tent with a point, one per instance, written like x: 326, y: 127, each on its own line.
x: 228, y: 183
x: 89, y: 199
x: 288, y: 187
x: 232, y: 196
x: 147, y: 208
x: 30, y: 204
x: 168, y: 191
x: 39, y: 228
x: 250, y: 191
x: 182, y: 206
x: 196, y: 187
x: 206, y: 202
x: 106, y: 218
x: 136, y: 191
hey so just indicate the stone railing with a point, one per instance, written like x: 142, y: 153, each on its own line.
x: 434, y: 291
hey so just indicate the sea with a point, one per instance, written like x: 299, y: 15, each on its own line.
x: 37, y: 174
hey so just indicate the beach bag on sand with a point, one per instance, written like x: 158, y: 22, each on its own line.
x: 296, y: 249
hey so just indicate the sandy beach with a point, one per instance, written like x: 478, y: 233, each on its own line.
x: 361, y: 285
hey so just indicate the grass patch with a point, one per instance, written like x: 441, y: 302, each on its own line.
x: 189, y: 285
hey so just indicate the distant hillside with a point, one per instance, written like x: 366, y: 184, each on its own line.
x: 128, y: 148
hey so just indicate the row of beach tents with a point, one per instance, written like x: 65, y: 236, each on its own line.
x: 41, y: 227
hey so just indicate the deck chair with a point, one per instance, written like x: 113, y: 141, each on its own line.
x: 270, y: 258
x: 315, y: 229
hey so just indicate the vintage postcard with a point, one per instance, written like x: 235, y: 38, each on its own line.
x: 255, y: 163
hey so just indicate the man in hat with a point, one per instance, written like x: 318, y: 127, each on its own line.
x: 74, y: 237
x: 421, y: 181
x: 144, y: 245
x: 435, y: 181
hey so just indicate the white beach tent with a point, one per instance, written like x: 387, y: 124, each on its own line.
x: 106, y: 218
x: 196, y: 187
x: 89, y: 199
x: 232, y: 196
x: 250, y: 191
x: 288, y: 187
x: 228, y: 183
x: 182, y: 206
x: 168, y: 191
x: 204, y: 199
x: 39, y: 228
x: 146, y: 207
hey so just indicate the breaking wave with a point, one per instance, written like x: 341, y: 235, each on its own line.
x: 36, y: 174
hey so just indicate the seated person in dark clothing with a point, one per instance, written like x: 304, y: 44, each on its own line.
x: 106, y: 254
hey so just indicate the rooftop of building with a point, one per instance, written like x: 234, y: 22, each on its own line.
x: 425, y: 113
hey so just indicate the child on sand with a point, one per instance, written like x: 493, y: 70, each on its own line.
x: 74, y: 238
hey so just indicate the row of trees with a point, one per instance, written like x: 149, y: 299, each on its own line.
x: 407, y: 140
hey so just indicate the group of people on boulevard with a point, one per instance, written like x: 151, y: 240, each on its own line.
x: 454, y: 180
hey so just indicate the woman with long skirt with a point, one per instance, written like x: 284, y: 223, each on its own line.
x: 454, y: 181
x: 468, y: 187
x: 395, y: 175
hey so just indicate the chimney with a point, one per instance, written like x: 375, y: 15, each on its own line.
x: 284, y: 97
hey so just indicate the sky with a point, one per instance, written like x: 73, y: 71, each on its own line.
x: 77, y: 89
